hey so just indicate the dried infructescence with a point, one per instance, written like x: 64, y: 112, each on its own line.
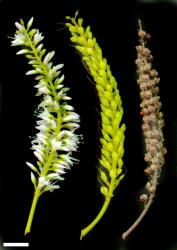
x: 152, y: 122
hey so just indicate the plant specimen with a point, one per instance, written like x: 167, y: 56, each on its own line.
x: 152, y: 122
x: 112, y: 129
x: 56, y: 140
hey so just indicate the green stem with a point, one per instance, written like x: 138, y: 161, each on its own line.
x: 38, y: 193
x: 33, y: 207
x: 48, y: 163
x: 87, y: 229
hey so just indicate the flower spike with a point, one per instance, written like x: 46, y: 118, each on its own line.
x: 56, y: 140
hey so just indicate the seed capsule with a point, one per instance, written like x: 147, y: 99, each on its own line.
x: 143, y: 198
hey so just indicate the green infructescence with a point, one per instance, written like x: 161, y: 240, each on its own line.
x: 112, y: 140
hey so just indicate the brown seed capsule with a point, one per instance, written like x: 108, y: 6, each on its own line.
x: 152, y: 149
x: 139, y: 48
x: 164, y: 151
x: 145, y: 127
x: 161, y: 123
x: 151, y: 109
x: 142, y: 33
x: 156, y: 90
x: 154, y: 167
x: 148, y: 36
x: 154, y: 141
x: 157, y: 80
x: 152, y: 189
x: 147, y: 67
x: 152, y: 118
x: 146, y: 118
x: 144, y: 77
x: 150, y: 58
x: 143, y: 198
x: 143, y: 85
x: 148, y: 133
x: 138, y: 61
x: 148, y: 184
x: 153, y: 73
x: 147, y: 157
x: 148, y: 171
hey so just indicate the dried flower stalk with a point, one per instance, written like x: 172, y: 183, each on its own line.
x: 152, y: 123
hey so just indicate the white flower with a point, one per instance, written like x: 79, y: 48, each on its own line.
x: 50, y: 176
x: 59, y: 166
x: 38, y: 37
x: 60, y: 171
x: 71, y: 117
x: 71, y: 125
x: 59, y: 66
x: 54, y: 125
x: 18, y: 40
x: 47, y: 101
x: 61, y: 79
x: 45, y: 116
x: 71, y: 143
x: 31, y: 72
x: 38, y: 155
x: 39, y: 47
x: 68, y: 159
x: 48, y: 57
x: 56, y: 105
x: 42, y: 128
x: 37, y: 149
x: 59, y: 86
x: 68, y: 107
x: 23, y: 51
x: 29, y: 24
x: 66, y: 98
x: 65, y: 133
x: 42, y: 138
x: 62, y: 162
x: 42, y: 182
x: 43, y: 90
x: 18, y: 25
x: 56, y: 145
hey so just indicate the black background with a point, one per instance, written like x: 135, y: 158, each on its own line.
x: 60, y: 215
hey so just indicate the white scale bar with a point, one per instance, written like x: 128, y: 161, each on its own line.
x: 15, y: 244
